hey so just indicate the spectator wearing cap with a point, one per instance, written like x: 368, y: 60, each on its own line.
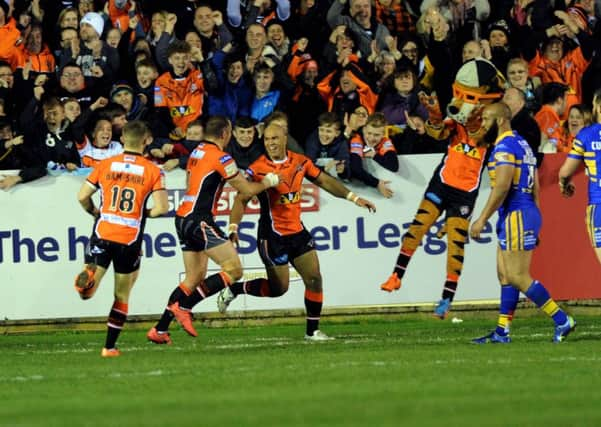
x: 123, y: 94
x: 9, y: 36
x: 306, y: 103
x: 498, y: 48
x: 360, y: 22
x: 555, y: 63
x: 97, y: 59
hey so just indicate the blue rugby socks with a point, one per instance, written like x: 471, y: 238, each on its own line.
x: 540, y: 296
x: 509, y: 301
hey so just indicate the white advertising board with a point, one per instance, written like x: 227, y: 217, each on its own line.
x: 43, y: 234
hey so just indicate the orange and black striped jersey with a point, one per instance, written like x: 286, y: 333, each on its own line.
x: 125, y: 182
x: 208, y: 169
x: 462, y: 165
x: 281, y: 205
x: 182, y: 96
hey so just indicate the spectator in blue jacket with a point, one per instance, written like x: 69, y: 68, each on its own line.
x: 328, y: 148
x: 266, y: 99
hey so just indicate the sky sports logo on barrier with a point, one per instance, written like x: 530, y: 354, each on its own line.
x: 309, y: 200
x: 16, y: 247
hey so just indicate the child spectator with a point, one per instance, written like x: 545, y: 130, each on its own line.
x: 372, y: 143
x: 46, y: 128
x: 328, y: 148
x: 71, y: 108
x: 178, y: 94
x: 171, y: 154
x: 93, y: 135
x: 245, y: 147
x: 266, y: 99
x: 146, y: 75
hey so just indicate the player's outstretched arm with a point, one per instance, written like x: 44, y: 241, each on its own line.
x: 338, y: 189
x: 252, y: 188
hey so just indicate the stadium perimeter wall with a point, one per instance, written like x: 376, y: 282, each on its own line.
x: 43, y: 234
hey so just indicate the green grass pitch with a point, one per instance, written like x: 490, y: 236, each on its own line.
x: 405, y: 371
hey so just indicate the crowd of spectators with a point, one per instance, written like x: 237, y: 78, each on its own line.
x: 343, y: 76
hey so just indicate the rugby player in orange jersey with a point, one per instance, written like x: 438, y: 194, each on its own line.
x: 209, y: 167
x: 282, y: 238
x: 126, y: 182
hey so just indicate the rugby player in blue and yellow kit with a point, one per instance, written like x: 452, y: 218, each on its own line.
x: 587, y: 148
x: 514, y: 193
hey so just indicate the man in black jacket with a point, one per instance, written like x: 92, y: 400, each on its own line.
x: 522, y: 122
x: 14, y: 154
x: 245, y: 147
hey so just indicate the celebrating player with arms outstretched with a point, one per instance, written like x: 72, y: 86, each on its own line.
x: 282, y: 237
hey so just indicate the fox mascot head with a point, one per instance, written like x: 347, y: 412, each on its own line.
x: 477, y: 82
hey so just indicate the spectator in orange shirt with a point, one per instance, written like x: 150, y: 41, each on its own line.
x: 178, y: 94
x: 36, y: 53
x: 579, y: 116
x: 9, y: 36
x: 554, y: 63
x: 548, y: 117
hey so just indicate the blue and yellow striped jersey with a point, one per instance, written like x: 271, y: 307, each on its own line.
x: 511, y: 149
x: 587, y: 147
